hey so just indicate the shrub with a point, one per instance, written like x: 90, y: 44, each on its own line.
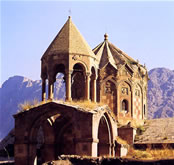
x: 140, y: 130
x: 151, y: 153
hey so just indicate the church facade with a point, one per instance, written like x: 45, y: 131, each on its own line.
x: 106, y: 76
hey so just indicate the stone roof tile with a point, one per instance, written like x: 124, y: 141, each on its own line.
x: 69, y: 40
x: 104, y: 55
x: 157, y: 131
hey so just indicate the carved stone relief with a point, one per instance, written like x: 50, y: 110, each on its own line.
x: 74, y: 57
x: 109, y: 88
x: 124, y: 91
x: 137, y: 92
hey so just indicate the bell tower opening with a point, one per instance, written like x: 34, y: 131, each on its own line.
x: 78, y: 82
x: 59, y: 84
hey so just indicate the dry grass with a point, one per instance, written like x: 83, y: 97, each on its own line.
x: 151, y: 154
x: 133, y: 122
x: 140, y: 130
x: 24, y: 106
x: 28, y: 105
x: 121, y: 141
x: 82, y: 104
x: 59, y: 162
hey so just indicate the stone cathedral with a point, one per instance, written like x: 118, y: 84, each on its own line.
x: 104, y: 75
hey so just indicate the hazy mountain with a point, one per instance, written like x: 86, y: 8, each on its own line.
x: 161, y: 93
x: 18, y: 89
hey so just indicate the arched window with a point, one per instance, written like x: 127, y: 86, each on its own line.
x: 93, y: 85
x: 59, y: 84
x: 78, y: 82
x: 125, y: 105
x: 39, y: 147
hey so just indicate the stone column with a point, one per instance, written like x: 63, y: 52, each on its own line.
x: 43, y: 90
x: 87, y: 86
x: 68, y: 86
x: 142, y: 103
x: 112, y: 149
x: 50, y: 89
x: 94, y: 91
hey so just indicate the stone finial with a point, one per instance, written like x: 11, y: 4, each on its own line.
x: 106, y: 36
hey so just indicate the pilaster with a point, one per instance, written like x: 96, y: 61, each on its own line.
x: 87, y: 86
x: 43, y: 90
x: 50, y: 89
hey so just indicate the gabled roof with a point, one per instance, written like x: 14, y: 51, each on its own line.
x: 69, y: 40
x: 106, y: 52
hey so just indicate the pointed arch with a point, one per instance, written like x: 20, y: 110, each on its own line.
x: 125, y: 99
x: 40, y: 151
x: 105, y: 136
x: 59, y: 81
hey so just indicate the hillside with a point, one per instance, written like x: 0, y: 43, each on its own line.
x: 157, y: 131
x: 161, y: 93
x: 18, y: 89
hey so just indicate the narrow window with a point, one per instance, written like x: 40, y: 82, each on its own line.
x: 125, y: 105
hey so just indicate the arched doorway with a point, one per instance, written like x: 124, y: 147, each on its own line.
x: 104, y: 136
x: 78, y: 82
x: 41, y: 143
x: 39, y: 159
x: 64, y: 142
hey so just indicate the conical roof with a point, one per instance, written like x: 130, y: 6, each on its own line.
x: 69, y: 40
x: 106, y: 53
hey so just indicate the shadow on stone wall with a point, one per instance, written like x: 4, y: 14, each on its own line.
x: 77, y: 160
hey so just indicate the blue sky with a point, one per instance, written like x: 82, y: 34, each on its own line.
x: 144, y: 30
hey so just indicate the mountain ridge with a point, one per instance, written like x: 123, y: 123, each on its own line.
x: 161, y: 93
x: 18, y: 89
